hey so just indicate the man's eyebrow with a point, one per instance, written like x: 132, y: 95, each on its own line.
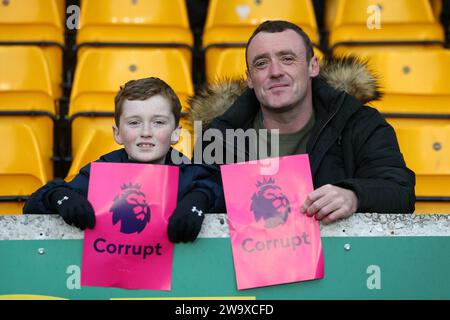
x: 284, y: 52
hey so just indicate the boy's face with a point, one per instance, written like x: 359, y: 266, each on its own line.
x: 147, y: 129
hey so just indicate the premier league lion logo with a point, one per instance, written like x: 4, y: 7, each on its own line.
x: 270, y: 203
x: 131, y: 209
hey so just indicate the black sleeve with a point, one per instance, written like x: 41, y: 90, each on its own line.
x: 382, y: 181
x: 38, y: 201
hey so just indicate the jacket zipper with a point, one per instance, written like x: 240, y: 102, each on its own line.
x: 341, y: 102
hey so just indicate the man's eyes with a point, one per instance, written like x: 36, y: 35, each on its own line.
x: 287, y: 59
x: 260, y: 63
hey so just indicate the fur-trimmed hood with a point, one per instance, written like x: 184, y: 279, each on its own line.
x: 350, y: 74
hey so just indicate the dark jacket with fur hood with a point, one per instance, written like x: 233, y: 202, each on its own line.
x: 350, y: 146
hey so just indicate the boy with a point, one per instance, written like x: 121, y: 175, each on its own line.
x: 147, y: 114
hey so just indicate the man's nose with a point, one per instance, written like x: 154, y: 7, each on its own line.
x: 275, y: 69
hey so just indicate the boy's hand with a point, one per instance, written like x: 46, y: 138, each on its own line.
x: 73, y: 208
x: 186, y: 221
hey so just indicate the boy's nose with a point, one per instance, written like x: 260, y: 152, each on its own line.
x: 147, y: 131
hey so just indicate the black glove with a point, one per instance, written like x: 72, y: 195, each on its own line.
x: 186, y: 221
x: 72, y: 207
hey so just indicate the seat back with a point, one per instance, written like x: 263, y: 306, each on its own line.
x: 31, y: 20
x: 243, y: 16
x: 134, y: 21
x: 101, y: 71
x: 21, y: 165
x: 425, y: 145
x: 25, y: 83
x: 381, y: 21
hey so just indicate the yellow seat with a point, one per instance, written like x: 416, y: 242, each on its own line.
x: 39, y: 23
x: 158, y: 23
x: 92, y: 137
x: 22, y: 168
x: 400, y: 21
x: 414, y: 81
x: 101, y: 71
x: 229, y: 63
x: 425, y: 145
x: 234, y: 21
x: 25, y: 83
x: 437, y: 8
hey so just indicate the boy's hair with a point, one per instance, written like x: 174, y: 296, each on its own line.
x: 273, y: 26
x: 143, y: 89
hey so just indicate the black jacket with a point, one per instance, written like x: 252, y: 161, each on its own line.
x: 191, y: 178
x: 350, y: 146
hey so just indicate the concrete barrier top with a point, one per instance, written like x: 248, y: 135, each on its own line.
x: 52, y: 227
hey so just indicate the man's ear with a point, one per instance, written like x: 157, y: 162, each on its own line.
x: 249, y: 80
x: 314, y: 67
x: 175, y: 135
x: 116, y: 135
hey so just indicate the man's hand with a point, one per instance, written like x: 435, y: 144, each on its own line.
x: 330, y: 203
x: 73, y: 208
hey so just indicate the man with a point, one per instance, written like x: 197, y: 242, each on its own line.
x: 355, y: 159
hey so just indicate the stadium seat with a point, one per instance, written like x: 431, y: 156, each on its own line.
x: 101, y: 71
x: 26, y: 101
x: 22, y: 168
x: 437, y: 8
x: 234, y: 21
x: 25, y: 83
x: 413, y: 81
x: 425, y: 145
x: 92, y: 137
x: 230, y: 63
x: 401, y: 21
x: 37, y: 23
x: 157, y: 23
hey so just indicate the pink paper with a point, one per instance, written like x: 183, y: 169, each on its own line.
x: 272, y: 242
x: 129, y: 247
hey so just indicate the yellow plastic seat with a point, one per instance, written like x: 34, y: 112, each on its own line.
x: 229, y: 63
x: 425, y: 145
x: 158, y: 23
x: 22, y: 168
x: 414, y: 81
x: 25, y: 83
x: 92, y: 137
x: 437, y: 8
x: 39, y: 23
x: 354, y: 21
x: 234, y: 21
x: 101, y: 71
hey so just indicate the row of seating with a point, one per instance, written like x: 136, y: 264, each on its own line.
x: 228, y: 26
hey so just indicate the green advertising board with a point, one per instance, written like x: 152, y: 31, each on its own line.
x: 367, y: 256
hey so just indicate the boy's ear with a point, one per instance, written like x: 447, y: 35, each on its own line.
x: 175, y: 136
x: 116, y: 135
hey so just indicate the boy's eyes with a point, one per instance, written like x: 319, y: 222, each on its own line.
x: 155, y: 122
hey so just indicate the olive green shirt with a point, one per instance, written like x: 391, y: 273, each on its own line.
x: 289, y: 143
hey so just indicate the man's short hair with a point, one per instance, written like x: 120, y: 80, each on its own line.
x: 273, y: 26
x: 143, y: 89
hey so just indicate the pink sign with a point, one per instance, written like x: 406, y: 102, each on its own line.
x: 272, y: 242
x: 129, y: 247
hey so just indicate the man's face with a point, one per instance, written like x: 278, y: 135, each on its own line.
x: 278, y: 69
x: 147, y: 129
